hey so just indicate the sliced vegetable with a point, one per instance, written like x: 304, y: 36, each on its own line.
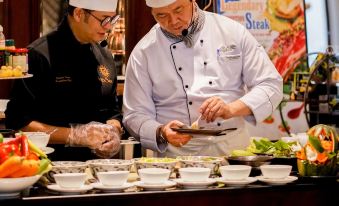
x: 314, y: 141
x: 35, y: 149
x: 10, y: 166
x: 44, y: 166
x: 8, y: 150
x: 17, y: 141
x: 24, y: 146
x: 27, y: 168
x: 237, y: 153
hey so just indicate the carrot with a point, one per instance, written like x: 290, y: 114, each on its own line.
x: 28, y: 168
x: 322, y: 157
x: 301, y: 154
x: 11, y: 165
x: 327, y: 145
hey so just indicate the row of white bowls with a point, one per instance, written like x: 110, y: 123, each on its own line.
x: 105, y: 165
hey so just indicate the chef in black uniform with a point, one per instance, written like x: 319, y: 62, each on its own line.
x: 72, y: 93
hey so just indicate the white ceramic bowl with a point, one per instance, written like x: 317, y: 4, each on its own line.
x: 105, y: 165
x: 202, y: 161
x: 276, y: 171
x: 70, y: 180
x: 39, y: 139
x: 59, y: 167
x: 154, y: 175
x: 194, y: 174
x: 113, y: 178
x: 12, y: 185
x: 235, y: 172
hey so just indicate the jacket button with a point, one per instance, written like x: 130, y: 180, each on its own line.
x: 205, y: 63
x: 180, y: 68
x: 219, y: 124
x: 186, y: 86
x: 174, y: 47
x: 190, y: 103
x: 210, y: 82
x: 201, y: 41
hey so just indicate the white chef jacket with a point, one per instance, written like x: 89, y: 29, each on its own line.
x: 167, y: 81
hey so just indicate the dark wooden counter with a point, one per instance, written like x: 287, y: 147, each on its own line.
x: 299, y: 193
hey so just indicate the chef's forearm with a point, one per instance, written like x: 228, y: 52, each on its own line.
x: 59, y: 135
x: 237, y: 108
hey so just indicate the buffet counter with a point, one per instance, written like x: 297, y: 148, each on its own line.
x: 302, y: 192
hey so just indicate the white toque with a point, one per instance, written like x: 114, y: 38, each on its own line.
x: 95, y: 5
x: 159, y: 3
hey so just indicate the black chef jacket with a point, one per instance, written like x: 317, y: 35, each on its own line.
x: 71, y: 83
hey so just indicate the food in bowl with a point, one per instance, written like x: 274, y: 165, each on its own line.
x: 59, y: 167
x: 39, y: 139
x: 202, y: 161
x: 105, y: 165
x: 319, y: 155
x: 253, y: 161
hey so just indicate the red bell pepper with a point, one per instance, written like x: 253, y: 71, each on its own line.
x: 8, y: 150
x: 16, y: 141
x: 24, y: 146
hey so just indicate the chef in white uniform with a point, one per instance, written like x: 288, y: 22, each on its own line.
x: 194, y: 63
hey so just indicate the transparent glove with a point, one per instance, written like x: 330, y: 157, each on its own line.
x: 103, y: 139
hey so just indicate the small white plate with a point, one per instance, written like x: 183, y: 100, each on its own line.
x: 277, y: 181
x: 68, y: 191
x: 167, y: 184
x: 104, y: 188
x: 195, y: 185
x: 47, y: 150
x: 246, y: 181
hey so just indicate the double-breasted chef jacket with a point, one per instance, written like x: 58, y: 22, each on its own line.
x: 167, y: 81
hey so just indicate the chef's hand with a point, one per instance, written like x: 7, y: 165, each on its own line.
x: 215, y: 107
x: 175, y: 138
x: 103, y: 139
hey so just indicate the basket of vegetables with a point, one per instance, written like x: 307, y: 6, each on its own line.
x: 319, y: 156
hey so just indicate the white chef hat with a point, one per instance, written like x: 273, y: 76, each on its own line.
x: 159, y: 3
x: 95, y: 5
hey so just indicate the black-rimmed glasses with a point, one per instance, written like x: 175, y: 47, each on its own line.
x: 108, y: 20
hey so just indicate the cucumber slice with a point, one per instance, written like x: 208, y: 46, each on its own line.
x: 314, y: 141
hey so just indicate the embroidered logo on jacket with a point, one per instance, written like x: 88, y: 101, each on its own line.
x: 104, y: 75
x: 63, y: 79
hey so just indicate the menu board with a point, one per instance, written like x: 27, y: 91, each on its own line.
x: 279, y: 25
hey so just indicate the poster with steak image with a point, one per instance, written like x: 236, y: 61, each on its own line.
x: 279, y: 25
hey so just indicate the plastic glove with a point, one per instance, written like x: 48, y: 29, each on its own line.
x: 103, y: 139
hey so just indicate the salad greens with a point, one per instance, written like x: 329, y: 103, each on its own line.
x: 277, y: 149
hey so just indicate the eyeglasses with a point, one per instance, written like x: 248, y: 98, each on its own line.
x: 108, y: 20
